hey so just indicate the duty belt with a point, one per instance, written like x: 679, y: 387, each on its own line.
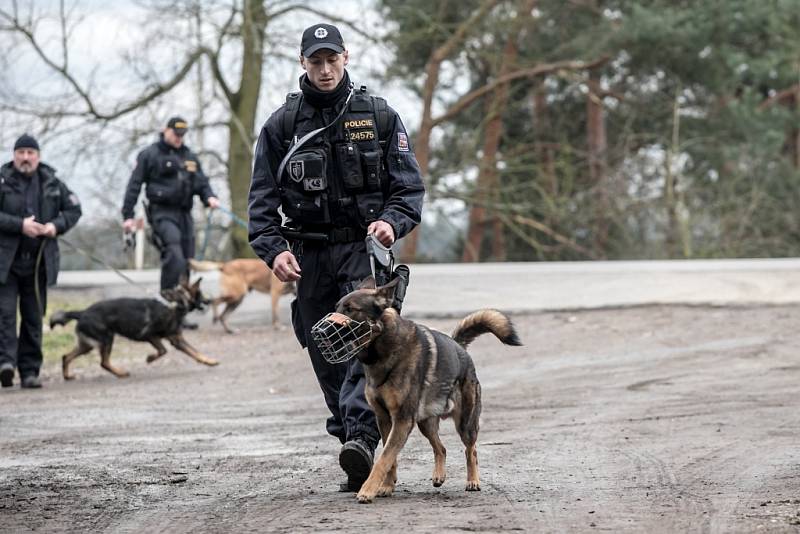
x: 334, y: 235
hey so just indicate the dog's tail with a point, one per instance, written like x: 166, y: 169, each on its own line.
x: 204, y: 265
x: 484, y: 322
x: 62, y: 317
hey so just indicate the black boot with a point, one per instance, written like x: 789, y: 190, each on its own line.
x: 355, y: 458
x: 31, y: 381
x: 7, y: 375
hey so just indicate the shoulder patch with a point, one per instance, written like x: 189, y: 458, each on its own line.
x: 74, y: 200
x: 402, y: 142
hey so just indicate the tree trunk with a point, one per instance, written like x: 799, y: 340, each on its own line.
x: 488, y: 182
x: 241, y: 124
x: 793, y: 136
x: 596, y: 147
x: 545, y: 149
x: 422, y: 150
x: 422, y: 145
x: 670, y: 182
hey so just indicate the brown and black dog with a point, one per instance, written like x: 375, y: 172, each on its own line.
x: 147, y: 319
x: 418, y: 375
x: 239, y: 277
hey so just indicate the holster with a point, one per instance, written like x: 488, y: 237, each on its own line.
x: 381, y: 260
x: 152, y: 234
x: 404, y: 274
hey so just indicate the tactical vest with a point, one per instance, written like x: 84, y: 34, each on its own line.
x: 338, y: 178
x: 172, y: 182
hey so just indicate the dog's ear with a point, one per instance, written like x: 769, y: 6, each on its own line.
x: 367, y: 283
x: 386, y: 293
x: 389, y: 288
x: 196, y: 285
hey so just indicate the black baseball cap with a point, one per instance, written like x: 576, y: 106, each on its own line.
x: 321, y: 37
x: 178, y: 124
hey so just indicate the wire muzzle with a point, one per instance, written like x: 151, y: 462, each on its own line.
x: 339, y: 338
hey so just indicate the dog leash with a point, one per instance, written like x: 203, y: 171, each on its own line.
x: 206, y: 235
x: 37, y: 290
x: 238, y: 220
x: 122, y: 275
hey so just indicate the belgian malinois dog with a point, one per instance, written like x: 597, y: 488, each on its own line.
x: 418, y: 375
x: 148, y: 320
x: 237, y: 278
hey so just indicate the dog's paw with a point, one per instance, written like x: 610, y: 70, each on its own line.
x: 364, y: 498
x: 385, y: 491
x: 152, y: 357
x: 210, y: 362
x: 123, y: 374
x: 437, y: 480
x: 69, y: 377
x: 473, y: 485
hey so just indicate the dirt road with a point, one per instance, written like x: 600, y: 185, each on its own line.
x: 653, y: 419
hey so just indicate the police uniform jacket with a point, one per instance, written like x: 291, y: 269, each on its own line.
x: 58, y: 205
x: 345, y: 177
x: 172, y: 176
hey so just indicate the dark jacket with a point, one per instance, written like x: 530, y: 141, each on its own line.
x: 402, y: 187
x: 59, y: 205
x: 172, y: 176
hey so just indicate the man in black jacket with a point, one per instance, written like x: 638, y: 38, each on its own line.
x: 356, y: 176
x: 35, y: 207
x: 172, y: 176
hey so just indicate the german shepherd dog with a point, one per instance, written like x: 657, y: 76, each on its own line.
x: 148, y: 320
x: 418, y: 375
x: 237, y: 279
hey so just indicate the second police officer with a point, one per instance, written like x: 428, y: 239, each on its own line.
x: 354, y: 176
x: 172, y: 176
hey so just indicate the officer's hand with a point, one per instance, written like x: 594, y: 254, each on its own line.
x: 31, y: 228
x: 49, y: 230
x: 286, y: 267
x: 213, y: 202
x: 129, y: 225
x: 383, y: 231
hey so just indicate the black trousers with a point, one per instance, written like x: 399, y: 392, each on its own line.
x: 328, y: 273
x: 24, y: 351
x: 174, y: 236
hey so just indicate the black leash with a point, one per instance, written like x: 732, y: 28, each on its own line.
x: 91, y: 257
x: 102, y: 262
x: 39, y: 303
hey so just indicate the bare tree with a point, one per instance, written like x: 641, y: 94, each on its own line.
x: 215, y: 33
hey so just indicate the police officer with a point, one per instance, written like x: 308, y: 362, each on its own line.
x: 172, y: 175
x: 35, y: 207
x: 358, y: 175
